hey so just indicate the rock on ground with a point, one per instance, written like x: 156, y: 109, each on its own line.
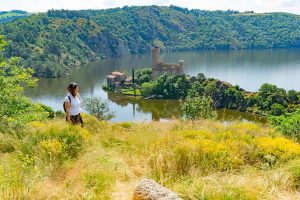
x: 150, y: 190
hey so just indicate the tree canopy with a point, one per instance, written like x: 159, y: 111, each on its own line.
x: 52, y: 43
x: 15, y: 108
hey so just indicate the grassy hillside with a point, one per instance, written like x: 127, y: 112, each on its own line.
x: 55, y: 42
x: 199, y: 160
x: 10, y: 16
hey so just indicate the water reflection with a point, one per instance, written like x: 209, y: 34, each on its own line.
x: 247, y: 68
x: 168, y: 109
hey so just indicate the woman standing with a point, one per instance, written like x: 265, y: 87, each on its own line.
x: 72, y: 105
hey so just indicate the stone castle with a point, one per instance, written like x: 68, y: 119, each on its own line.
x: 159, y: 68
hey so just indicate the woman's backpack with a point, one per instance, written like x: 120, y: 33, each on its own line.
x: 64, y: 104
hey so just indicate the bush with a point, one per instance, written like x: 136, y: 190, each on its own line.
x: 197, y: 107
x: 288, y: 124
x: 143, y: 76
x: 218, y: 151
x: 98, y: 108
x: 53, y: 142
x: 147, y: 89
x: 277, y: 109
x: 15, y: 109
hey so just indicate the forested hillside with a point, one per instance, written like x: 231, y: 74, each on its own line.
x: 56, y: 41
x: 9, y: 16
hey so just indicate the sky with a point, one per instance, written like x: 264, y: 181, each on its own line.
x: 292, y: 6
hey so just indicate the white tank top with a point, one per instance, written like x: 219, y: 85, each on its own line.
x: 74, y: 105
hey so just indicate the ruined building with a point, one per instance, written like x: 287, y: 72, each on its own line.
x: 115, y: 78
x: 159, y: 68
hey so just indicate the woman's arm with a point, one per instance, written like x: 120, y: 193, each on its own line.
x: 67, y: 106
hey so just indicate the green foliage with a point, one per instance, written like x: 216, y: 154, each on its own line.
x: 170, y: 87
x: 59, y: 40
x: 108, y: 87
x: 15, y: 108
x: 131, y: 91
x: 143, y: 75
x: 288, y: 124
x: 38, y: 150
x: 234, y: 98
x: 48, y: 111
x: 6, y: 16
x: 293, y: 97
x: 6, y: 144
x: 197, y: 107
x: 269, y: 94
x: 269, y: 100
x: 98, y: 108
x: 277, y: 109
x: 148, y: 88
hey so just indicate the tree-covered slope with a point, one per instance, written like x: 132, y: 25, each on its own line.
x: 56, y: 41
x: 9, y: 16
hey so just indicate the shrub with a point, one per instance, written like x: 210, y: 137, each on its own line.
x: 54, y: 142
x: 147, y: 88
x: 98, y: 108
x: 143, y: 76
x: 277, y: 109
x: 218, y: 151
x: 197, y: 107
x: 288, y: 124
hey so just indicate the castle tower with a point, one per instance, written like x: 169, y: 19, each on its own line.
x: 181, y: 66
x: 155, y: 56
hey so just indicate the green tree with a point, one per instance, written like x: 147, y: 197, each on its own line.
x: 98, y: 108
x: 269, y: 94
x: 234, y: 99
x: 15, y: 108
x: 288, y: 124
x: 147, y: 88
x: 293, y: 97
x: 277, y: 109
x: 197, y: 107
x: 143, y: 75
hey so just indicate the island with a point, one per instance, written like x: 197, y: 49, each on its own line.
x: 168, y: 81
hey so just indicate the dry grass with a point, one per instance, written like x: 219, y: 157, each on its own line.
x: 199, y: 160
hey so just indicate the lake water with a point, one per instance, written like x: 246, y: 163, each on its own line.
x: 246, y: 68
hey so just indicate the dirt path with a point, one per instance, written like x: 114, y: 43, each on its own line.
x: 71, y: 183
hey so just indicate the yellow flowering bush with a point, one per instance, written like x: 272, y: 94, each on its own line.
x: 230, y: 147
x: 54, y: 140
x: 279, y: 147
x: 52, y: 147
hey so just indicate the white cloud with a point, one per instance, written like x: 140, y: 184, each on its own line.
x: 292, y: 6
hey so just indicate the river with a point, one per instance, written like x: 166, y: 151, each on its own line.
x: 246, y: 68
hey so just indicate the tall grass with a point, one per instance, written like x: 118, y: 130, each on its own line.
x: 208, y: 159
x: 37, y: 151
x: 202, y: 159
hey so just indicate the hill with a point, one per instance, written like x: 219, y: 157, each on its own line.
x: 9, y: 16
x: 54, y: 42
x: 198, y: 160
x: 43, y: 157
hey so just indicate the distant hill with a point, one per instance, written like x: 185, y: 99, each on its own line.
x: 9, y: 16
x: 55, y: 42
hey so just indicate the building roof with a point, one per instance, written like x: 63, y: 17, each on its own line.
x: 111, y: 76
x: 116, y: 73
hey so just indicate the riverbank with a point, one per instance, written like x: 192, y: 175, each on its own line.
x: 268, y: 100
x: 247, y: 160
x: 236, y: 67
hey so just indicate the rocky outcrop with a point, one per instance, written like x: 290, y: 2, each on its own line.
x: 150, y: 190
